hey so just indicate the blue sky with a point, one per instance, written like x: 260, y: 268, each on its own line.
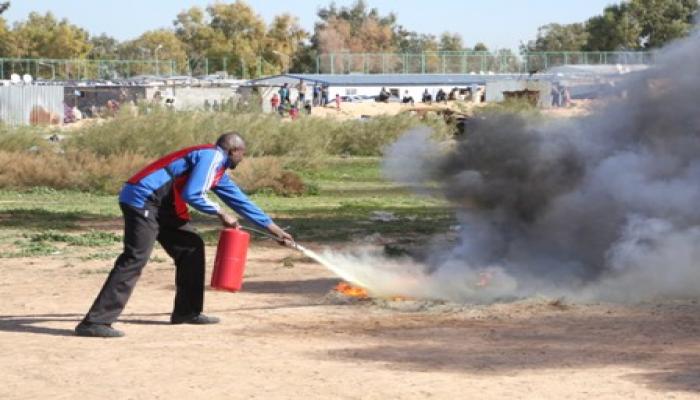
x: 498, y: 23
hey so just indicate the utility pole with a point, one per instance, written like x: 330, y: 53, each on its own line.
x: 160, y: 46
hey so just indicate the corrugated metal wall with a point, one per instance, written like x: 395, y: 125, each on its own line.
x: 24, y: 105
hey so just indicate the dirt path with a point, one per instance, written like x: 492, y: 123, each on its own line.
x: 282, y: 338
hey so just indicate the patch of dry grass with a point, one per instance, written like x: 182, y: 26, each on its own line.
x: 69, y: 170
x: 267, y: 173
x: 99, y: 157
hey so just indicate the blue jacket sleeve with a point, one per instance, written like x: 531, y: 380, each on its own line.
x: 234, y: 197
x: 205, y: 165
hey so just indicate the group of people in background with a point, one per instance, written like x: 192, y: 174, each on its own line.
x: 440, y: 97
x: 561, y: 97
x: 283, y: 103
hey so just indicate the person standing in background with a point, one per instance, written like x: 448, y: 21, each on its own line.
x: 284, y: 93
x: 316, y: 96
x: 324, y: 95
x: 275, y: 102
x: 302, y: 92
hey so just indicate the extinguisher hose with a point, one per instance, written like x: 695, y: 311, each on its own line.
x: 258, y: 231
x: 296, y: 246
x: 268, y: 235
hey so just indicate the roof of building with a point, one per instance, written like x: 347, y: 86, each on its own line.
x: 596, y: 70
x: 389, y: 79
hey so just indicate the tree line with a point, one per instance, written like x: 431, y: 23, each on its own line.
x: 629, y: 26
x: 236, y: 38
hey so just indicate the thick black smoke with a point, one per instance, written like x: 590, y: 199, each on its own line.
x: 607, y: 205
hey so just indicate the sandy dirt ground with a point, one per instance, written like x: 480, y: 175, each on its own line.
x: 349, y: 111
x: 373, y: 109
x: 285, y: 337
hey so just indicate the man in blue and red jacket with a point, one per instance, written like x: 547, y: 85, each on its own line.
x: 154, y: 204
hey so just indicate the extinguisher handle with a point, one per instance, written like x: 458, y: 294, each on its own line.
x: 289, y: 243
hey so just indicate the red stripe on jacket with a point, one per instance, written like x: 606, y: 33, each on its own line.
x: 165, y: 161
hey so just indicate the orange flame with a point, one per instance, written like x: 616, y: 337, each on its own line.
x: 351, y: 291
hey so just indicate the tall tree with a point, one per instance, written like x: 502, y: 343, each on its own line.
x: 284, y: 38
x: 304, y: 59
x: 413, y: 42
x: 618, y: 28
x: 480, y: 47
x: 235, y: 33
x: 4, y: 6
x: 193, y: 29
x: 356, y: 29
x: 45, y: 36
x: 104, y: 47
x: 242, y: 31
x: 557, y: 37
x: 451, y: 42
x: 7, y: 45
x: 630, y: 25
x: 162, y: 45
x: 662, y: 21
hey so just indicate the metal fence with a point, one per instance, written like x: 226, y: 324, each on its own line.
x: 431, y: 62
x: 465, y: 62
x: 416, y: 63
x: 31, y: 104
x: 77, y: 69
x: 538, y: 61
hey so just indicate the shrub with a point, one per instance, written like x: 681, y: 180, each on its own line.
x: 70, y: 170
x: 101, y: 156
x: 162, y: 131
x: 369, y: 137
x: 22, y: 138
x: 266, y: 173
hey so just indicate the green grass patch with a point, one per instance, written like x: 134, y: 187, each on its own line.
x: 344, y: 171
x: 31, y: 249
x: 105, y: 255
x: 44, y: 243
x: 89, y: 239
x: 38, y: 218
x: 350, y: 191
x: 98, y: 271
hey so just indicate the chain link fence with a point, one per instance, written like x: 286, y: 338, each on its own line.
x: 468, y: 62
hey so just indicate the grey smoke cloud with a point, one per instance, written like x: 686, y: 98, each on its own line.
x: 601, y: 207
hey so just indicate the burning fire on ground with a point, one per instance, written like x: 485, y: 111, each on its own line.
x: 356, y: 292
x: 351, y: 291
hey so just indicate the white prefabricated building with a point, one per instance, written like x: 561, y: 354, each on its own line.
x: 398, y: 85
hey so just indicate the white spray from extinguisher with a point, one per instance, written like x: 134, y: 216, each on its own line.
x: 345, y: 275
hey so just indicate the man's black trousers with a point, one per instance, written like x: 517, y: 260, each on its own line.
x: 142, y: 227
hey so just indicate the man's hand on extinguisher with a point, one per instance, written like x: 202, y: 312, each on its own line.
x: 227, y: 220
x: 283, y: 238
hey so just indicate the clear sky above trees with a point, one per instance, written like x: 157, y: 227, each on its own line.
x: 497, y: 23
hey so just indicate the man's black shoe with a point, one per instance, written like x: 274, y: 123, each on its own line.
x: 88, y: 329
x: 199, y: 319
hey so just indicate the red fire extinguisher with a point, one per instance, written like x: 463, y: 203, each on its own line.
x: 230, y: 260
